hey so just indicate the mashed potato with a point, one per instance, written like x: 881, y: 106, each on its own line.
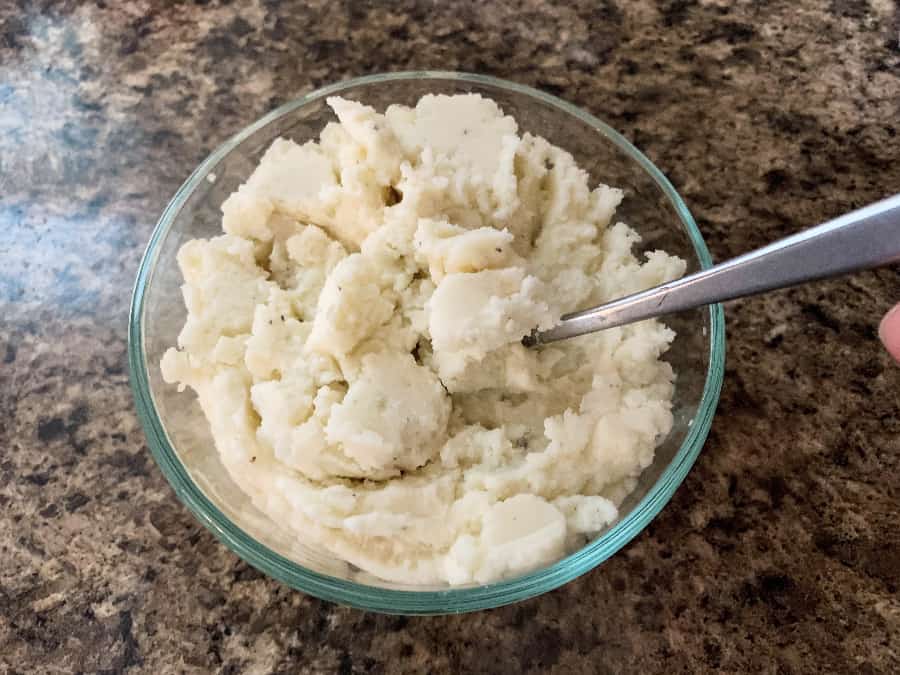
x: 354, y: 341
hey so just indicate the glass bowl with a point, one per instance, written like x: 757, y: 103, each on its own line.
x: 179, y: 435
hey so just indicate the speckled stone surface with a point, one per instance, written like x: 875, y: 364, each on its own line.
x: 780, y: 553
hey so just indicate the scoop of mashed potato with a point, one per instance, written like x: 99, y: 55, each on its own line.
x: 354, y: 341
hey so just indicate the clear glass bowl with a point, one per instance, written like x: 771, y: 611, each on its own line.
x: 178, y: 433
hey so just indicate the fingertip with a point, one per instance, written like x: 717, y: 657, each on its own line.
x: 889, y: 332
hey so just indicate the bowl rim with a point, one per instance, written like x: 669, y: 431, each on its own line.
x: 395, y: 601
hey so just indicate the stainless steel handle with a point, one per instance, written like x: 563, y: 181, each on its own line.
x: 862, y: 239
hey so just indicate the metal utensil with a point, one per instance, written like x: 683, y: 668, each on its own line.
x: 862, y: 239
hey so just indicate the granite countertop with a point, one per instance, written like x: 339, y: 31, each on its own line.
x: 780, y: 552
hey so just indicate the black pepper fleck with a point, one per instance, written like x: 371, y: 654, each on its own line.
x: 392, y: 196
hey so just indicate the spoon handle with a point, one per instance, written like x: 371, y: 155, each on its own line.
x: 862, y: 239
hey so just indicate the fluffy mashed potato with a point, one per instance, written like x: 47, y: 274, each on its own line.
x: 354, y: 341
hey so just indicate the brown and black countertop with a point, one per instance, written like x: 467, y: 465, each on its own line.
x: 781, y: 551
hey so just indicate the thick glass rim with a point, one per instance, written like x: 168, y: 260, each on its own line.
x: 450, y: 600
